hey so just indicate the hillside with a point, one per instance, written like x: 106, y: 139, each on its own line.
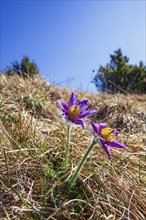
x: 32, y: 140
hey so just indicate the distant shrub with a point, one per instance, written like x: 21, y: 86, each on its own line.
x: 25, y: 68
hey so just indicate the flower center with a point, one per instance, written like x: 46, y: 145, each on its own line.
x: 74, y: 112
x: 107, y: 134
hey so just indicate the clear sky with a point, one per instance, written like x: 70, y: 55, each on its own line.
x: 68, y: 39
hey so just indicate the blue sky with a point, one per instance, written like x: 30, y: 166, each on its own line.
x: 68, y: 39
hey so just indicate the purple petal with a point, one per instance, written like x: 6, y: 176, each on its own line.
x: 79, y: 122
x: 87, y: 113
x: 96, y: 127
x: 116, y: 144
x: 102, y: 125
x: 62, y: 105
x: 106, y: 148
x: 66, y: 117
x: 72, y: 100
x: 83, y: 105
x: 116, y: 132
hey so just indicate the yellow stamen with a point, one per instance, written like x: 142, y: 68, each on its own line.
x: 108, y: 134
x: 74, y: 112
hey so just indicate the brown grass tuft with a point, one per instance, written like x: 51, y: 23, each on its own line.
x: 32, y: 140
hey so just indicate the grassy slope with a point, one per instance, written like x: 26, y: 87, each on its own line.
x: 32, y: 141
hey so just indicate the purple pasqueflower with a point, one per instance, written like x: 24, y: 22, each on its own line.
x: 74, y: 111
x: 106, y: 136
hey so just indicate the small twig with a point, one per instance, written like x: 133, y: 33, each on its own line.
x: 7, y: 166
x: 7, y: 184
x: 130, y: 204
x: 65, y: 204
x: 20, y: 150
x: 122, y: 90
x: 6, y: 213
x: 30, y: 191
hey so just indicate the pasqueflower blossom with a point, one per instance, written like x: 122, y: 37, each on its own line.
x: 106, y: 136
x: 74, y: 111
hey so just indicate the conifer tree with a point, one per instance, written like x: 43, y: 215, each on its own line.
x: 119, y: 76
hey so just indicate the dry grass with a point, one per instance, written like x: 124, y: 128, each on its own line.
x: 32, y: 140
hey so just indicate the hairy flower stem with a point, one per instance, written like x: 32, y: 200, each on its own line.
x: 67, y: 146
x: 81, y: 163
